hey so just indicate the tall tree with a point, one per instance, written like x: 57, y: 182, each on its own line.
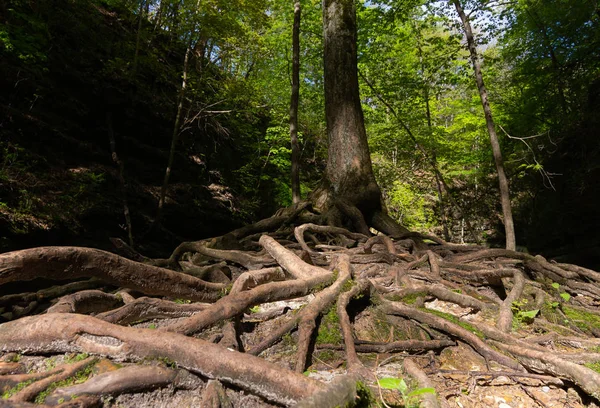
x: 294, y: 105
x: 502, y: 180
x: 350, y: 183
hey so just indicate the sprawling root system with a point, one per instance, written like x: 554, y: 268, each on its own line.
x: 292, y: 313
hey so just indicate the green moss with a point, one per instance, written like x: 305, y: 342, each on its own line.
x: 349, y: 284
x: 382, y: 327
x: 288, y: 341
x: 325, y: 355
x: 364, y: 396
x: 412, y: 298
x: 330, y: 331
x: 168, y: 362
x: 50, y: 363
x: 325, y: 284
x: 80, y: 376
x: 593, y: 366
x: 73, y: 358
x: 582, y: 319
x: 12, y: 391
x: 225, y: 291
x: 455, y: 320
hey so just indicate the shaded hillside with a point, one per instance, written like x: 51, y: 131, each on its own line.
x: 68, y: 79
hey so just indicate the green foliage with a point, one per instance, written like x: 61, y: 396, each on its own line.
x: 410, y: 398
x: 409, y: 207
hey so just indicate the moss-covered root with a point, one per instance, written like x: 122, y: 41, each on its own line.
x: 135, y: 378
x: 354, y: 364
x: 68, y: 370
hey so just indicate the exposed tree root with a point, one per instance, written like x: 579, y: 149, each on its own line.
x: 63, y: 263
x: 68, y: 333
x: 127, y: 379
x: 528, y: 319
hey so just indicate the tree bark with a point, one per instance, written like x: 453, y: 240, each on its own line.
x: 502, y: 180
x: 294, y: 105
x: 349, y: 173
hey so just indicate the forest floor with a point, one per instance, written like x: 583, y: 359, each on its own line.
x: 297, y: 314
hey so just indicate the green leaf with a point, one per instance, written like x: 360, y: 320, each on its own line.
x: 565, y: 296
x: 421, y: 391
x: 555, y: 285
x: 530, y: 314
x: 391, y: 383
x: 403, y: 387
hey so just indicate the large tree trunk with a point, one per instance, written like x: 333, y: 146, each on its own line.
x: 502, y: 180
x: 349, y: 171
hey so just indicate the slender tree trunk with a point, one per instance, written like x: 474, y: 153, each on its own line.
x: 174, y: 136
x: 159, y: 15
x: 121, y: 167
x: 294, y: 106
x: 139, y: 34
x: 431, y: 160
x: 434, y: 163
x: 502, y: 180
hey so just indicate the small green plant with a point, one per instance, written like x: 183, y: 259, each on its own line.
x: 152, y: 326
x: 308, y: 372
x: 410, y: 398
x: 255, y: 309
x: 520, y: 315
x: 566, y: 297
x: 183, y: 301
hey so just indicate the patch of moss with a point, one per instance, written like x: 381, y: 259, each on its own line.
x: 225, y: 291
x: 50, y: 363
x: 288, y: 341
x: 364, y: 396
x: 325, y: 284
x: 12, y: 391
x: 325, y: 355
x: 73, y: 358
x: 381, y: 327
x: 330, y: 331
x: 168, y: 362
x: 80, y: 376
x: 593, y: 366
x: 348, y: 285
x: 582, y: 319
x: 455, y: 320
x: 412, y: 298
